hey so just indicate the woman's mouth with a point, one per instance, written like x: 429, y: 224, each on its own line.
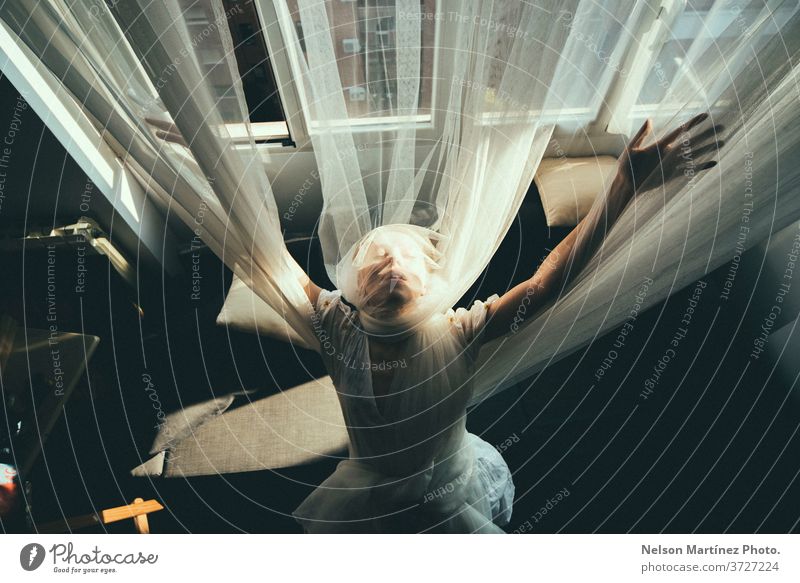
x: 392, y: 274
x: 394, y: 279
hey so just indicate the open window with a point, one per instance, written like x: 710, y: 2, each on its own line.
x: 682, y: 35
x: 364, y: 41
x: 266, y: 113
x: 269, y: 42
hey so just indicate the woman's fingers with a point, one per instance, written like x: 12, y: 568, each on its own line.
x: 712, y: 133
x: 699, y: 118
x: 644, y: 131
x: 682, y: 129
x: 703, y: 150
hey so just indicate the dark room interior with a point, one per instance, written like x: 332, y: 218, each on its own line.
x: 707, y: 444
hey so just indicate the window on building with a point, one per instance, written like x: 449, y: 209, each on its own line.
x: 364, y: 39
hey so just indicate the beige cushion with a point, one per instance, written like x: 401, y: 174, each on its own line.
x: 296, y: 426
x: 569, y: 186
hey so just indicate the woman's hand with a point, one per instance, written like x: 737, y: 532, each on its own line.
x: 676, y: 155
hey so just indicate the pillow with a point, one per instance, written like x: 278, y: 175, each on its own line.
x: 182, y: 423
x: 295, y: 426
x: 569, y: 186
x: 244, y: 311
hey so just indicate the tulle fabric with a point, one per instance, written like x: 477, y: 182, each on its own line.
x: 676, y: 233
x: 357, y: 274
x: 358, y: 499
x: 413, y: 467
x: 504, y: 74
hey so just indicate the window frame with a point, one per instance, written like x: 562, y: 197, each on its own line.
x: 282, y: 71
x: 623, y: 109
x: 67, y: 120
x: 294, y: 101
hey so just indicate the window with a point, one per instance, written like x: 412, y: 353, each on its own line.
x: 350, y: 46
x: 357, y: 93
x: 364, y: 40
x: 258, y: 79
x: 692, y: 23
x: 693, y: 32
x: 364, y: 46
x: 363, y: 35
x: 268, y: 121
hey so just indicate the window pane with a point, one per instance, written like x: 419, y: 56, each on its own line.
x: 263, y: 102
x: 260, y: 89
x: 364, y: 42
x: 705, y: 30
x: 572, y: 60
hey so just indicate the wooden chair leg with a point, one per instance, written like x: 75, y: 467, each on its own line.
x: 140, y: 521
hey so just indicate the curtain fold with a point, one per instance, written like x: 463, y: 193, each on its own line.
x: 504, y: 73
x: 452, y: 147
x: 744, y: 72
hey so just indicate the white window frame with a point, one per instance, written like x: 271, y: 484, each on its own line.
x: 295, y: 104
x: 67, y: 121
x: 623, y: 103
x: 282, y: 73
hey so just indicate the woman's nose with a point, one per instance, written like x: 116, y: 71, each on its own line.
x: 392, y: 263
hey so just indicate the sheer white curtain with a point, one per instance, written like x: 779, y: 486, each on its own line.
x: 737, y: 60
x: 505, y: 74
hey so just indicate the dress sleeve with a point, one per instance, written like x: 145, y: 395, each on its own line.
x: 471, y: 322
x: 331, y: 318
x: 326, y: 300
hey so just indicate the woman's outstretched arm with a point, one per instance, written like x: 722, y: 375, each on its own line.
x: 672, y: 156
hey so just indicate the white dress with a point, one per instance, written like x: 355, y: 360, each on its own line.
x: 412, y: 465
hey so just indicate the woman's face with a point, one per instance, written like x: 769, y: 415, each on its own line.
x: 394, y: 272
